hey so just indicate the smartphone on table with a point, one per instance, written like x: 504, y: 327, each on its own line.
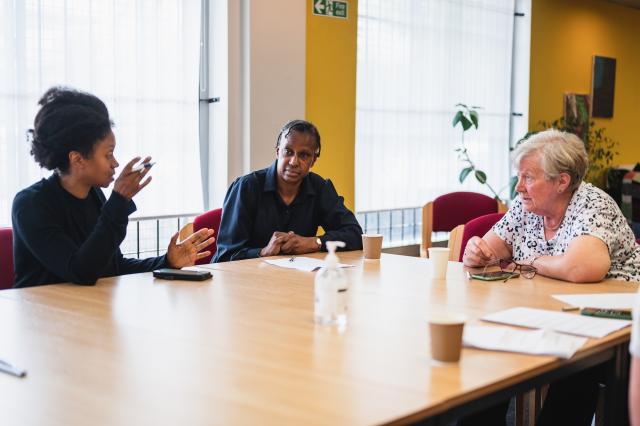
x: 179, y: 274
x: 623, y: 314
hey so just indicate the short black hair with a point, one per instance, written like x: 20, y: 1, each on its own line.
x: 301, y: 126
x: 68, y: 120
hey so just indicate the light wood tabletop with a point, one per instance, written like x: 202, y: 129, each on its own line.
x: 243, y: 348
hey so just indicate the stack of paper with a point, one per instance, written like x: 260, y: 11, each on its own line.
x: 558, y: 321
x: 536, y: 342
x: 599, y: 300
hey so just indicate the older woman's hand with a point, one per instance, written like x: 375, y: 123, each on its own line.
x: 478, y: 253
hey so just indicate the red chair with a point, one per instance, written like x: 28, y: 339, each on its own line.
x: 461, y: 234
x: 6, y: 258
x: 453, y: 209
x: 210, y: 219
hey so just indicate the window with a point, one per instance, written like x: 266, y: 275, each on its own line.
x: 139, y: 57
x: 417, y: 60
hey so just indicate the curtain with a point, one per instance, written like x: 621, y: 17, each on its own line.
x: 416, y: 60
x: 139, y: 56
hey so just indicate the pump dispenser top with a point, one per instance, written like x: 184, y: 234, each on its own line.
x: 331, y: 260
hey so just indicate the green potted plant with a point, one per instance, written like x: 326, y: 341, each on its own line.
x: 467, y: 117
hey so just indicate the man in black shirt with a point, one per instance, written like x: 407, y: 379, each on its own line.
x: 64, y: 229
x: 278, y: 210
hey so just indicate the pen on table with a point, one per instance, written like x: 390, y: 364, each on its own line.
x: 570, y: 308
x: 10, y: 369
x: 143, y: 166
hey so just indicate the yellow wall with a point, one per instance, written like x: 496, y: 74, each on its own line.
x: 331, y: 94
x: 565, y: 34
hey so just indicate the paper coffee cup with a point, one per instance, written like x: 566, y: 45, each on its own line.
x: 372, y: 245
x: 439, y: 257
x: 446, y: 336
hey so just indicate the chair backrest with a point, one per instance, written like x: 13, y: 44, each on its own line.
x: 210, y: 219
x: 477, y: 228
x: 453, y: 209
x: 6, y: 258
x: 455, y: 243
x: 185, y: 231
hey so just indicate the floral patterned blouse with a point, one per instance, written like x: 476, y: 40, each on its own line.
x: 590, y: 212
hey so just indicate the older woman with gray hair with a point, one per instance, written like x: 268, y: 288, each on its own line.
x: 563, y: 227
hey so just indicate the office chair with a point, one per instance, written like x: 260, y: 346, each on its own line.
x: 461, y: 234
x: 210, y: 219
x: 455, y: 208
x: 6, y: 258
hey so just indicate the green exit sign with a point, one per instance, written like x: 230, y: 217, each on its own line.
x: 334, y: 8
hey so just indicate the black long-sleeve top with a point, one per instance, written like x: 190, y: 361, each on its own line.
x: 60, y: 238
x: 253, y: 210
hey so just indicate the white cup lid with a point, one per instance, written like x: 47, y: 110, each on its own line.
x: 447, y: 318
x: 438, y: 249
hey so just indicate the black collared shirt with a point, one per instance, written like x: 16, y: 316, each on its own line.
x: 58, y: 237
x: 253, y: 210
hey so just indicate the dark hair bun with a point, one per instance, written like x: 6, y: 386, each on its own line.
x: 68, y: 120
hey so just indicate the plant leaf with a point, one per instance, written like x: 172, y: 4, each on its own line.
x: 513, y: 181
x: 464, y: 173
x: 457, y: 118
x: 466, y: 124
x: 473, y: 115
x: 481, y: 176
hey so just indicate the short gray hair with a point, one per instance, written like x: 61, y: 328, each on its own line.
x: 560, y: 152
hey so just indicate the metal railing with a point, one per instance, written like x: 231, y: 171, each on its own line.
x: 400, y: 227
x: 149, y: 236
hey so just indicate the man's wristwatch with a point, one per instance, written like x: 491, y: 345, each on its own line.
x: 319, y: 243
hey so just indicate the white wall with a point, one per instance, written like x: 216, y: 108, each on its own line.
x: 277, y: 72
x: 259, y: 55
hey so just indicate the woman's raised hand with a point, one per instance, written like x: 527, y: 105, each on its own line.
x: 130, y: 182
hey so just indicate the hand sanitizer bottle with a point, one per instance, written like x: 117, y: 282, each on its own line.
x: 331, y: 286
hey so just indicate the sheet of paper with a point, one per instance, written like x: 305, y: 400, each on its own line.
x: 307, y: 264
x: 599, y: 300
x: 536, y: 342
x: 562, y: 322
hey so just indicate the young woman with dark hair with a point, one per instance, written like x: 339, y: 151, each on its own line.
x: 64, y: 228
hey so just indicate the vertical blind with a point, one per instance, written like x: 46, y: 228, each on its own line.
x: 416, y: 60
x: 139, y: 56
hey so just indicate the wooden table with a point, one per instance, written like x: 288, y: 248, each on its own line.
x: 243, y: 348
